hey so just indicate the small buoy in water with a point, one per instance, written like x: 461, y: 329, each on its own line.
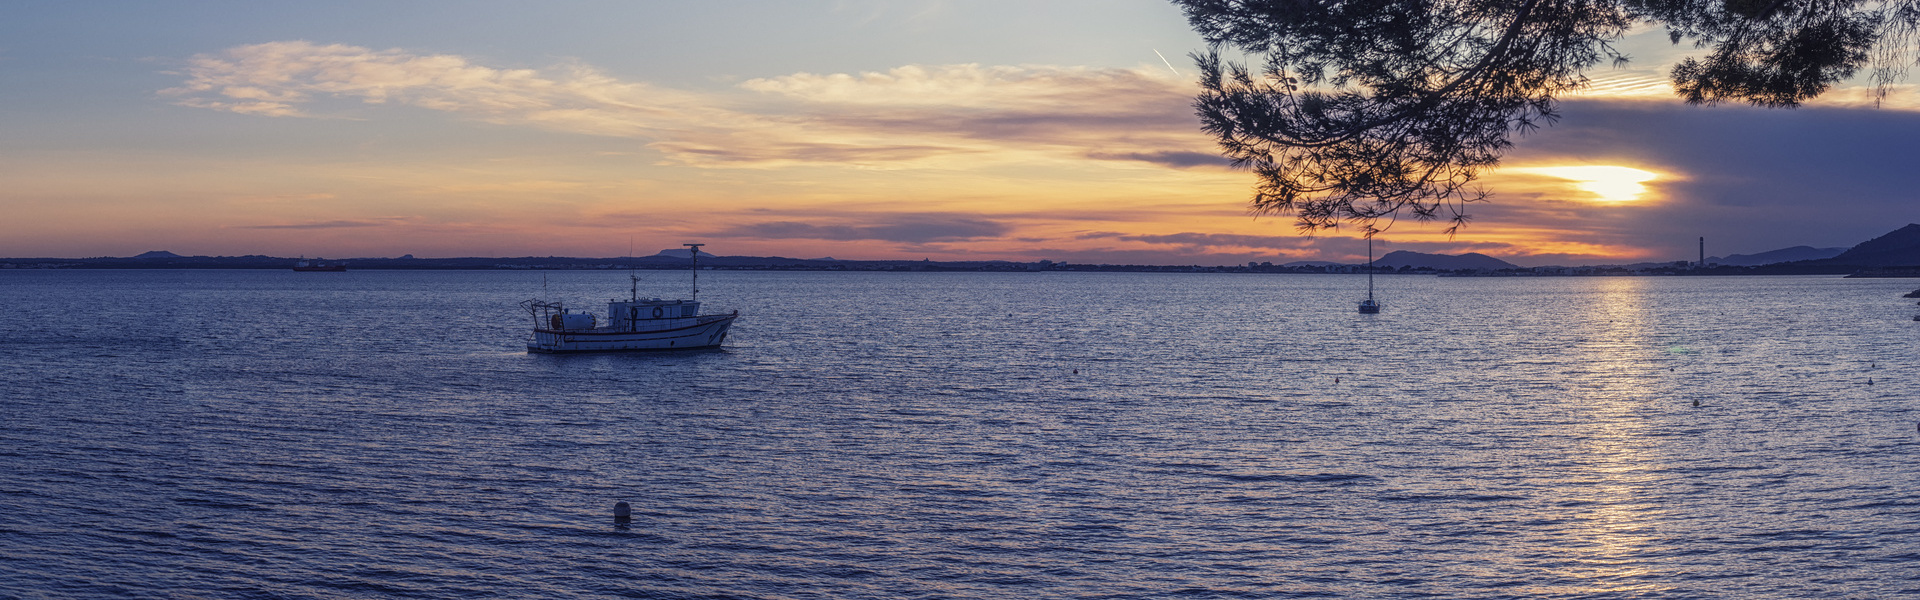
x: 1076, y: 371
x: 622, y: 513
x: 1869, y: 381
x: 1696, y: 401
x: 1336, y: 380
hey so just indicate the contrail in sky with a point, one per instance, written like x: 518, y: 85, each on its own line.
x: 1163, y: 58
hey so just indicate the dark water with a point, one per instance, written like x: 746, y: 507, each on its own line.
x: 206, y: 434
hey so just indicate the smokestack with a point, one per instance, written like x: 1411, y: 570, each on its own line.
x: 1703, y: 252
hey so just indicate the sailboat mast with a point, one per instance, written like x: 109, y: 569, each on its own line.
x: 695, y: 253
x: 1369, y: 266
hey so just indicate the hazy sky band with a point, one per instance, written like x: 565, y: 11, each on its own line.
x: 848, y: 129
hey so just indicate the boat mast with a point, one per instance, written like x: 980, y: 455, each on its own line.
x: 1369, y: 265
x: 695, y: 253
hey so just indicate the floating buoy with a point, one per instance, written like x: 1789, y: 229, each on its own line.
x: 1869, y: 381
x: 1336, y: 380
x: 622, y: 513
x: 1696, y: 401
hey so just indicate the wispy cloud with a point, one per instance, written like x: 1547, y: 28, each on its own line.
x: 287, y: 79
x: 1178, y: 160
x: 1207, y: 240
x: 1630, y: 84
x: 338, y: 224
x: 905, y: 115
x: 905, y: 228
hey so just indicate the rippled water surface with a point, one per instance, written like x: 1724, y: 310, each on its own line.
x: 961, y: 435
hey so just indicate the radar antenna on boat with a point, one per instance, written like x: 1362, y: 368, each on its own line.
x: 695, y: 253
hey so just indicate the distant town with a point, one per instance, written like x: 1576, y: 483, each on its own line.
x: 1896, y: 254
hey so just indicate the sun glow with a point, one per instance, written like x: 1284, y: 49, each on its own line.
x: 1610, y: 183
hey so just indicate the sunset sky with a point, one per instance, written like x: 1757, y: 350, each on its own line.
x: 950, y: 130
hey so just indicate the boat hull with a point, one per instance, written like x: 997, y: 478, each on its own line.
x: 700, y: 332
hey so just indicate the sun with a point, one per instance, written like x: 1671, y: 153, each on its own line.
x: 1610, y: 183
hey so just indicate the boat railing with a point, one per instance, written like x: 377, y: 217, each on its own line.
x: 542, y: 311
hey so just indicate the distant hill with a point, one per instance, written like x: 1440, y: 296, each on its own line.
x: 157, y: 254
x: 1471, y: 261
x: 1897, y: 249
x: 1776, y: 256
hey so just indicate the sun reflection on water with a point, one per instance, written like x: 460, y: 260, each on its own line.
x: 1612, y: 452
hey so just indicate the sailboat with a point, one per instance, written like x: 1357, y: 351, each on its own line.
x: 1368, y: 306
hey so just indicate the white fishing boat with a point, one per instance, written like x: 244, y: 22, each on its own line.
x: 631, y: 325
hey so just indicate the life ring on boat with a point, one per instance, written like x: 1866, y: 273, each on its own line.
x: 656, y: 312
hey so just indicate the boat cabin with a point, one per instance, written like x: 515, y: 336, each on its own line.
x: 627, y: 314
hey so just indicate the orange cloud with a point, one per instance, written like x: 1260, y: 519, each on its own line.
x: 952, y: 115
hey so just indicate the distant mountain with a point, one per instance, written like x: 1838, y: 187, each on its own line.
x: 1311, y: 263
x: 682, y: 253
x: 1897, y: 249
x: 1776, y: 256
x: 1471, y: 261
x: 157, y: 254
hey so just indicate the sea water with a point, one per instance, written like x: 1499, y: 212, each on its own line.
x: 270, y: 434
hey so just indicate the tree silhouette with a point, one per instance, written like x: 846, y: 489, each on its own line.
x: 1361, y: 109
